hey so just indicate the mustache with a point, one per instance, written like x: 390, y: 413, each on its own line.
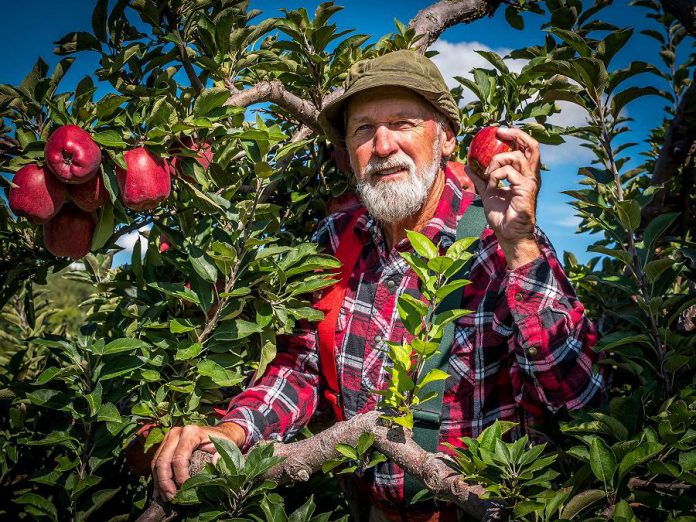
x: 375, y: 165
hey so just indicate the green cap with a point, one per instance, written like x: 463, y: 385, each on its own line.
x: 408, y: 69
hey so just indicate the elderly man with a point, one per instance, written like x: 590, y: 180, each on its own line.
x: 525, y: 352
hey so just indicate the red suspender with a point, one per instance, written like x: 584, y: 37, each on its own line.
x: 348, y: 251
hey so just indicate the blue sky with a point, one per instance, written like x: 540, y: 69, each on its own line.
x: 28, y: 30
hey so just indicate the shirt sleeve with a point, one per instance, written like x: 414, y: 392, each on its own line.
x: 283, y: 401
x: 551, y: 347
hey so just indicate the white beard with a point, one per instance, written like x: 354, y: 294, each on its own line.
x: 390, y: 201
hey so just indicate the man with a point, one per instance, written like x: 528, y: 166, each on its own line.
x: 524, y: 352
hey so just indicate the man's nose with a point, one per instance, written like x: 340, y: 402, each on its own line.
x: 384, y: 141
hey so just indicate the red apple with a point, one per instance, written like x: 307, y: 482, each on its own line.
x: 460, y: 173
x: 165, y: 244
x: 137, y: 459
x: 91, y: 195
x: 342, y: 202
x: 204, y: 156
x: 38, y: 195
x: 69, y: 233
x: 72, y: 155
x: 145, y: 183
x: 484, y: 146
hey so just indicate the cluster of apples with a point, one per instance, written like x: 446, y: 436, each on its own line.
x: 64, y: 194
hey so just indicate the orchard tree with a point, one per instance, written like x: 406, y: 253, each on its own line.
x: 226, y: 204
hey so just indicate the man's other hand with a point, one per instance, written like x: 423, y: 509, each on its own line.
x: 170, y: 466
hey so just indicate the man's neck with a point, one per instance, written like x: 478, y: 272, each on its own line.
x: 395, y: 232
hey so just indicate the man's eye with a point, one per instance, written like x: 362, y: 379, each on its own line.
x: 402, y: 124
x: 363, y: 128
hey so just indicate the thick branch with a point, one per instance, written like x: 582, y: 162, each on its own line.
x: 305, y: 457
x: 679, y: 139
x: 274, y: 91
x: 684, y: 11
x: 432, y: 21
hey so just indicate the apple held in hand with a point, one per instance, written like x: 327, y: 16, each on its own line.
x: 69, y: 233
x: 72, y: 155
x: 38, y: 195
x: 91, y: 195
x: 460, y: 173
x: 484, y: 146
x: 145, y: 183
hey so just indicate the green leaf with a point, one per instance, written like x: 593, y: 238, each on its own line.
x: 347, y: 451
x: 629, y: 213
x: 104, y: 228
x: 75, y: 42
x: 180, y: 326
x: 654, y: 269
x: 209, y: 101
x: 236, y: 329
x: 512, y: 16
x: 201, y: 265
x: 121, y: 365
x: 432, y: 376
x: 188, y: 352
x: 581, y: 501
x: 365, y: 441
x: 109, y: 138
x: 643, y: 453
x: 108, y: 413
x: 176, y: 290
x: 219, y: 375
x: 121, y: 345
x: 411, y: 312
x: 422, y: 245
x: 623, y: 98
x: 602, y: 461
x: 99, y: 19
x: 656, y: 228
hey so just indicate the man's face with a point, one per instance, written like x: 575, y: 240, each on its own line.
x: 395, y: 146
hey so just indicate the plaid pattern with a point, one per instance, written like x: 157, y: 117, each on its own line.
x: 525, y: 352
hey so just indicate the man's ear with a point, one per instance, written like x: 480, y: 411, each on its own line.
x: 448, y: 140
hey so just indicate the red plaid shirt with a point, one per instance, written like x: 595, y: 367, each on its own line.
x: 524, y: 352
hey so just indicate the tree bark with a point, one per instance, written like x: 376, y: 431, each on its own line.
x: 680, y: 138
x: 432, y: 21
x: 274, y: 91
x: 303, y: 458
x: 684, y: 11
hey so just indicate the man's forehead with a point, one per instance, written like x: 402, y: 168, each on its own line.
x: 397, y: 102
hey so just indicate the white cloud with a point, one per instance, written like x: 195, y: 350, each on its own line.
x: 560, y: 215
x: 127, y: 242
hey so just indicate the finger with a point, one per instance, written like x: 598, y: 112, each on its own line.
x: 153, y: 465
x: 191, y: 437
x: 163, y: 465
x: 516, y: 159
x: 479, y: 183
x: 506, y: 172
x: 524, y: 142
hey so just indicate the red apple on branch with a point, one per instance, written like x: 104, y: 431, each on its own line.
x: 483, y: 147
x: 38, y: 195
x: 91, y: 195
x: 72, y: 154
x: 69, y: 233
x: 145, y: 183
x: 204, y: 156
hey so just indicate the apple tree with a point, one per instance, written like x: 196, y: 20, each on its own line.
x: 206, y: 147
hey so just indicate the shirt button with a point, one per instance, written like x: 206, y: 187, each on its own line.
x: 532, y: 351
x: 518, y: 296
x: 378, y: 338
x: 391, y: 284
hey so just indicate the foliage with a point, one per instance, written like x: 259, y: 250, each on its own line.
x: 168, y: 337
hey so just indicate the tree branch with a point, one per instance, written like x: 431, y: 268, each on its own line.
x: 303, y: 458
x: 684, y: 11
x: 274, y: 91
x: 678, y: 141
x: 432, y: 21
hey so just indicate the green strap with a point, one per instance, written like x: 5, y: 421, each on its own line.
x: 426, y: 419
